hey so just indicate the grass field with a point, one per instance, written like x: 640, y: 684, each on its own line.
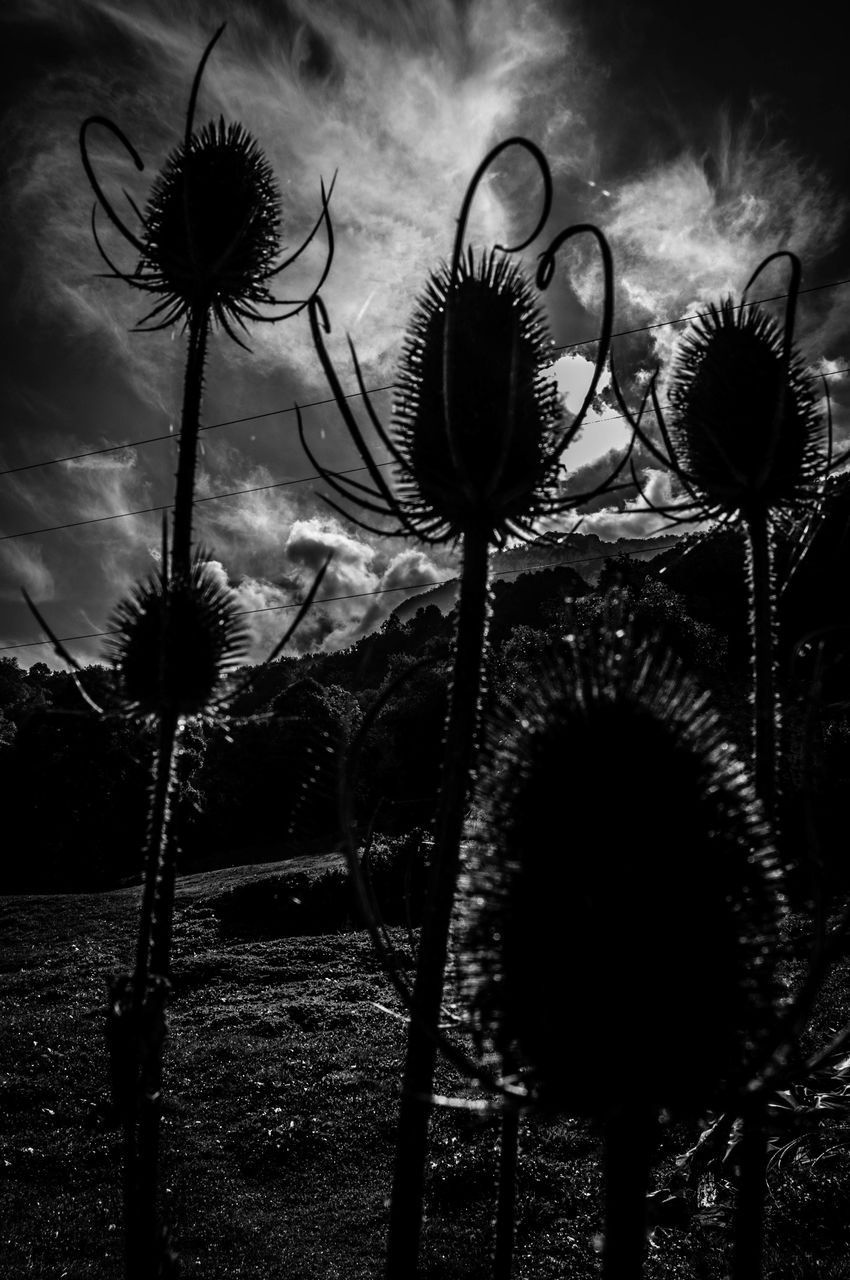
x: 282, y: 1074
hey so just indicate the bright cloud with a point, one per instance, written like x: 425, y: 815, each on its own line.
x: 695, y: 228
x: 635, y: 518
x: 402, y: 104
x: 603, y: 428
x: 357, y: 569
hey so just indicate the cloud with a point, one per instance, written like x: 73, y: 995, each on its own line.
x: 603, y: 428
x: 356, y: 570
x: 692, y: 229
x: 24, y: 566
x: 635, y: 519
x: 403, y: 104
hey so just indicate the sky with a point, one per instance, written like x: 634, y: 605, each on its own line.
x: 699, y: 140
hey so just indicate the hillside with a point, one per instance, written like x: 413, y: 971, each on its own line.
x: 281, y: 1083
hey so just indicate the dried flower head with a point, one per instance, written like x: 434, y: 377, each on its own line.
x: 475, y: 416
x: 212, y: 224
x: 210, y: 231
x: 178, y: 636
x: 746, y: 439
x: 478, y: 428
x: 621, y: 895
x: 745, y: 420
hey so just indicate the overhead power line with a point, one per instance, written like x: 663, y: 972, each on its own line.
x: 259, y: 488
x: 389, y: 386
x: 358, y: 595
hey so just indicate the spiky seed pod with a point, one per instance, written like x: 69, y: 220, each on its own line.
x: 475, y: 416
x: 621, y: 899
x: 212, y: 223
x: 177, y: 638
x: 745, y: 422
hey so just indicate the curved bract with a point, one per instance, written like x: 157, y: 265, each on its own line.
x: 478, y: 427
x: 622, y: 896
x: 209, y: 236
x: 178, y: 636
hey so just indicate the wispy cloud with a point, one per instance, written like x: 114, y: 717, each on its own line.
x: 402, y: 102
x: 694, y: 228
x: 24, y: 566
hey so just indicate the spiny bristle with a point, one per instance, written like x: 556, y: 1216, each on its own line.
x: 621, y: 894
x: 212, y: 224
x: 474, y: 415
x: 177, y: 638
x: 745, y: 422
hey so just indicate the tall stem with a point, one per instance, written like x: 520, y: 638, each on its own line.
x: 420, y: 1061
x: 630, y: 1138
x: 503, y: 1250
x: 765, y: 705
x: 142, y: 1120
x: 184, y: 491
x: 749, y: 1213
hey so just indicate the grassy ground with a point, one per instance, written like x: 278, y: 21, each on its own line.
x: 282, y: 1072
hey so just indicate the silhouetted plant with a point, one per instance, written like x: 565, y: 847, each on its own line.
x: 208, y: 246
x: 476, y: 444
x: 748, y: 444
x: 586, y: 944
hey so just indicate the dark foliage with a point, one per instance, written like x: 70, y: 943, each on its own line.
x: 296, y: 716
x: 78, y: 786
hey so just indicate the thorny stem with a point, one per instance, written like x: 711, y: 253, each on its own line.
x: 503, y: 1250
x: 142, y: 1119
x: 144, y: 1239
x: 749, y: 1212
x: 199, y: 324
x: 156, y: 851
x: 765, y: 707
x: 418, y: 1080
x: 752, y: 1163
x: 630, y: 1139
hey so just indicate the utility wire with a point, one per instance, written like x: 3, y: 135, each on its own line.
x: 389, y: 386
x: 360, y: 595
x: 260, y: 488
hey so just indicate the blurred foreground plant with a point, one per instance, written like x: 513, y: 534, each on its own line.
x: 585, y: 944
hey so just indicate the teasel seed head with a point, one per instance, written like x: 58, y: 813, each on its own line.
x: 210, y: 232
x: 212, y: 223
x: 178, y: 636
x: 621, y: 897
x: 475, y: 416
x: 745, y: 422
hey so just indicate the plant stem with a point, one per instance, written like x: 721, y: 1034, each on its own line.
x: 503, y: 1251
x: 420, y: 1061
x: 630, y: 1139
x: 765, y: 705
x: 142, y: 1121
x: 193, y: 386
x: 749, y: 1210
